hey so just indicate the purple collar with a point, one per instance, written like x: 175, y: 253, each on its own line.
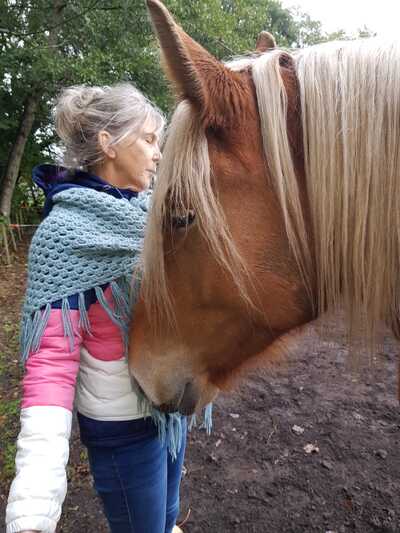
x: 53, y: 179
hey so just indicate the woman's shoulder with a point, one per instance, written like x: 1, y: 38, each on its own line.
x: 55, y: 233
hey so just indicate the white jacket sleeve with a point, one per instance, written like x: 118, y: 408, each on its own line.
x: 40, y: 485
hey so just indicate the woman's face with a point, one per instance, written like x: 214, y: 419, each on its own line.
x: 136, y: 159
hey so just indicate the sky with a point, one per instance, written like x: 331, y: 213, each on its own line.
x: 381, y: 16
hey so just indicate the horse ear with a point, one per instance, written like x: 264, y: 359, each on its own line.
x: 194, y: 72
x: 265, y: 41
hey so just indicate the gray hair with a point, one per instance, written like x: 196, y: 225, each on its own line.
x: 81, y: 112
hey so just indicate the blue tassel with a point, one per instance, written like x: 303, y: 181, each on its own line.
x: 192, y: 422
x: 174, y: 436
x: 117, y: 319
x: 26, y: 332
x: 207, y: 420
x: 120, y: 300
x: 35, y: 326
x: 134, y: 291
x: 67, y: 323
x: 160, y: 421
x: 207, y: 424
x: 32, y: 329
x: 125, y: 284
x: 39, y: 325
x: 84, y: 322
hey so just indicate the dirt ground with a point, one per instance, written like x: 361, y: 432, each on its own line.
x: 307, y: 448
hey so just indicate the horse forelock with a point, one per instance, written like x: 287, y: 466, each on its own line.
x: 350, y: 118
x: 185, y: 184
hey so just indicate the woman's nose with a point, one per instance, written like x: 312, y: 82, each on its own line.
x: 157, y: 156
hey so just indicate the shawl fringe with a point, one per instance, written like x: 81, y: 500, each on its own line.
x: 124, y: 295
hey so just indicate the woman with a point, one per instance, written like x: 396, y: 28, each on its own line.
x: 75, y: 322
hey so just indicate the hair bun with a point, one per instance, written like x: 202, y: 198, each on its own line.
x: 84, y: 96
x: 69, y: 113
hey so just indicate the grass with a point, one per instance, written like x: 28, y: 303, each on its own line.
x: 9, y: 393
x: 9, y: 411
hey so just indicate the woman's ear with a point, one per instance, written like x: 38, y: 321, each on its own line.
x: 104, y: 139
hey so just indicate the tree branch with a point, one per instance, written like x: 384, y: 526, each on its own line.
x: 51, y: 28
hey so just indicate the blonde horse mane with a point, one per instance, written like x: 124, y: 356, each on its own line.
x: 351, y: 126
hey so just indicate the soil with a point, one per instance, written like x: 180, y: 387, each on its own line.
x: 308, y: 447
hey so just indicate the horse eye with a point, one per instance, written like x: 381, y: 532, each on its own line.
x: 183, y: 222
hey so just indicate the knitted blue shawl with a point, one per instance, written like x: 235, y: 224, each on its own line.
x: 90, y: 239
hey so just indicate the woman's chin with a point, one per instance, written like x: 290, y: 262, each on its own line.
x: 142, y: 183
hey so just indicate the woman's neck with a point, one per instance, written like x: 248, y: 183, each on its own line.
x: 107, y: 172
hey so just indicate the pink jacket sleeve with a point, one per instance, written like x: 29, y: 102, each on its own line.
x: 50, y: 373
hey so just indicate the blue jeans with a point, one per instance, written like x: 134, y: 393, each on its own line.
x: 133, y: 474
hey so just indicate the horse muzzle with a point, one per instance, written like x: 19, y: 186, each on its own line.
x: 185, y: 402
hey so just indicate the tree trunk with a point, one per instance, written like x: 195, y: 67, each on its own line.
x: 28, y: 117
x: 14, y: 160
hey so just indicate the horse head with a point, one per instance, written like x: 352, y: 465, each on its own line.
x: 277, y: 198
x: 221, y: 283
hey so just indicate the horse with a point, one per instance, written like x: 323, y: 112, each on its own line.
x: 277, y: 200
